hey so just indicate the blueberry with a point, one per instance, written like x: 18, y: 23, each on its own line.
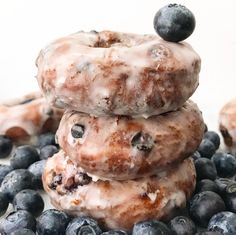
x: 28, y: 200
x: 205, y: 169
x: 204, y: 205
x: 174, y: 22
x: 225, y: 164
x: 151, y: 227
x: 17, y: 220
x: 83, y: 225
x: 77, y: 130
x: 115, y: 232
x: 23, y: 231
x: 46, y: 139
x: 47, y: 151
x: 37, y: 170
x: 230, y: 197
x: 224, y: 223
x: 196, y: 155
x: 5, y: 146
x: 206, y: 148
x: 206, y: 185
x: 23, y: 157
x: 52, y: 222
x: 4, y: 170
x: 3, y: 203
x: 222, y: 183
x: 213, y: 137
x: 182, y: 225
x: 16, y: 181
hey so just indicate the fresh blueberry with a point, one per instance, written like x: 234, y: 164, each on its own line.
x: 83, y: 225
x: 17, y: 220
x: 204, y: 205
x: 205, y: 169
x: 206, y: 185
x: 213, y: 137
x: 3, y: 203
x: 225, y: 164
x: 115, y: 232
x: 224, y: 223
x: 222, y: 183
x: 52, y: 222
x: 151, y: 227
x: 15, y: 181
x: 47, y: 151
x: 196, y: 155
x: 206, y: 148
x: 5, y: 146
x: 4, y: 170
x: 46, y: 139
x: 182, y: 225
x: 23, y: 231
x: 174, y: 22
x: 37, y: 170
x: 230, y: 197
x: 29, y: 200
x: 23, y: 157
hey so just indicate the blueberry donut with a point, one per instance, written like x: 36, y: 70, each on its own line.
x: 110, y: 73
x: 227, y: 125
x: 117, y: 204
x: 23, y: 118
x: 121, y: 147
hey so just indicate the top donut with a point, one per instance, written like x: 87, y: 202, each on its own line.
x: 111, y: 73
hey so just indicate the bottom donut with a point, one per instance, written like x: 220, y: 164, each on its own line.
x: 117, y: 204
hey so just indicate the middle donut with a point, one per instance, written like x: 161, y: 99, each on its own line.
x: 124, y: 148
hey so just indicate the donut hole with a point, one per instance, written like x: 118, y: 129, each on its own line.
x: 142, y: 141
x: 227, y: 137
x: 17, y: 133
x: 77, y: 130
x: 106, y: 43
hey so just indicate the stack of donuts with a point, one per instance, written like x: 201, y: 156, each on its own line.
x: 128, y: 131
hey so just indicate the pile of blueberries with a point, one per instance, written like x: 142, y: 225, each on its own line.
x: 211, y: 210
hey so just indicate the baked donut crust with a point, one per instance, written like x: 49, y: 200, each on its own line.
x: 111, y: 73
x: 124, y: 148
x: 227, y: 125
x: 24, y: 118
x: 117, y: 204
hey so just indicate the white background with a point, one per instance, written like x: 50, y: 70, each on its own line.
x: 28, y: 25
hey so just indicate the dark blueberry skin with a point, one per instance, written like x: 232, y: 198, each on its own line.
x: 16, y: 181
x: 196, y: 155
x: 23, y: 231
x: 17, y: 220
x: 52, y: 222
x: 213, y: 137
x: 23, y: 157
x: 5, y: 146
x: 225, y: 164
x: 204, y: 205
x: 37, y: 170
x: 182, y: 225
x: 205, y: 169
x: 83, y: 225
x: 206, y: 185
x: 230, y: 197
x: 46, y: 139
x: 224, y: 223
x: 4, y: 170
x: 174, y: 22
x: 115, y: 232
x: 47, y: 151
x: 222, y: 183
x: 3, y: 203
x: 206, y: 148
x: 29, y: 200
x: 151, y: 227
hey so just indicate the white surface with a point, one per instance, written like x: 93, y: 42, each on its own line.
x: 27, y: 26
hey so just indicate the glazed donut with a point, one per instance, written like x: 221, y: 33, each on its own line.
x: 111, y: 73
x: 23, y: 118
x: 227, y: 125
x: 121, y: 147
x: 117, y: 204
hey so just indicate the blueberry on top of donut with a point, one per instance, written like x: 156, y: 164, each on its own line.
x: 174, y: 22
x: 77, y: 131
